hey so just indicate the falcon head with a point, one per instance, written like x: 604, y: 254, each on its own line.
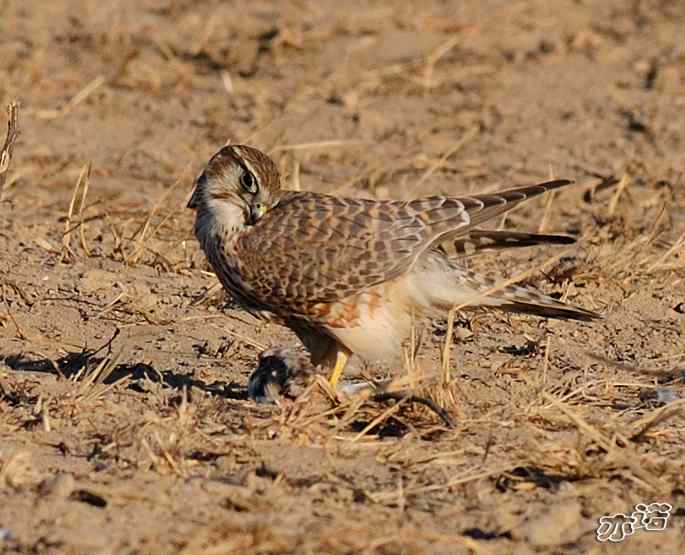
x: 239, y: 183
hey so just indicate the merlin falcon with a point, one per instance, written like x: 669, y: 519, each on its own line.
x: 350, y: 276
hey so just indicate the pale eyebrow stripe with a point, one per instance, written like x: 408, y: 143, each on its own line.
x: 245, y: 164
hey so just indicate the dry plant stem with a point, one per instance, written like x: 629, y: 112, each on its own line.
x: 333, y: 143
x: 19, y: 291
x: 548, y: 206
x: 227, y: 82
x: 470, y: 134
x: 654, y: 233
x: 434, y: 57
x: 640, y: 427
x: 380, y: 418
x: 107, y: 345
x: 67, y: 252
x: 207, y: 294
x: 580, y: 423
x: 625, y: 180
x: 385, y: 497
x: 545, y: 367
x: 410, y: 356
x: 99, y: 374
x: 670, y: 252
x: 79, y: 97
x: 131, y: 259
x: 447, y: 349
x: 445, y: 355
x: 8, y: 147
x: 20, y: 333
x: 82, y: 223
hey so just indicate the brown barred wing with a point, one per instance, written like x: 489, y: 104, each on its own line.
x: 482, y: 208
x: 313, y: 248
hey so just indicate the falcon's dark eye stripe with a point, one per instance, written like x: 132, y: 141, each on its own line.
x: 248, y: 181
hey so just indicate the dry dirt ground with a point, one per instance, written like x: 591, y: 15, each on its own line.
x: 124, y: 421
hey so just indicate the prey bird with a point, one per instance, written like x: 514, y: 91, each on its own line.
x: 349, y: 276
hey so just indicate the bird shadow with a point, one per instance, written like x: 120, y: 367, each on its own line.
x: 76, y: 365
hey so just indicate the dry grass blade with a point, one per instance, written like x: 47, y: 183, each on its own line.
x: 227, y: 82
x: 20, y: 333
x: 640, y: 427
x: 333, y: 143
x: 79, y: 97
x: 470, y: 134
x: 82, y: 181
x: 97, y: 376
x: 142, y: 233
x: 434, y: 57
x: 8, y: 147
x: 580, y: 423
x: 447, y: 349
x: 211, y: 290
x: 386, y: 497
x: 545, y: 215
x: 548, y: 205
x: 82, y: 205
x: 380, y: 418
x: 445, y: 354
x: 613, y: 203
x: 670, y: 252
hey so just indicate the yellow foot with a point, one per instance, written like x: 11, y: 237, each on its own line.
x: 342, y: 355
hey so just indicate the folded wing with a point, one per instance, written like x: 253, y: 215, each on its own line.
x: 313, y: 248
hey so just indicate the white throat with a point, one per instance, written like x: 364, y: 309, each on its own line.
x: 218, y: 218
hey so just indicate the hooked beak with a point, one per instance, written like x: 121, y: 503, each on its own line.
x: 256, y: 212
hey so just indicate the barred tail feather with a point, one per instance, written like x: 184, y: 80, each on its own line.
x: 519, y: 299
x: 440, y: 285
x: 560, y: 311
x: 477, y: 241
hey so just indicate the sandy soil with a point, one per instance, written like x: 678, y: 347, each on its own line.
x: 124, y: 421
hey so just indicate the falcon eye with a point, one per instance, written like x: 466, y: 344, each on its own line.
x: 249, y: 183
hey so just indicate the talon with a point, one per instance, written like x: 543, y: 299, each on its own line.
x: 342, y: 355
